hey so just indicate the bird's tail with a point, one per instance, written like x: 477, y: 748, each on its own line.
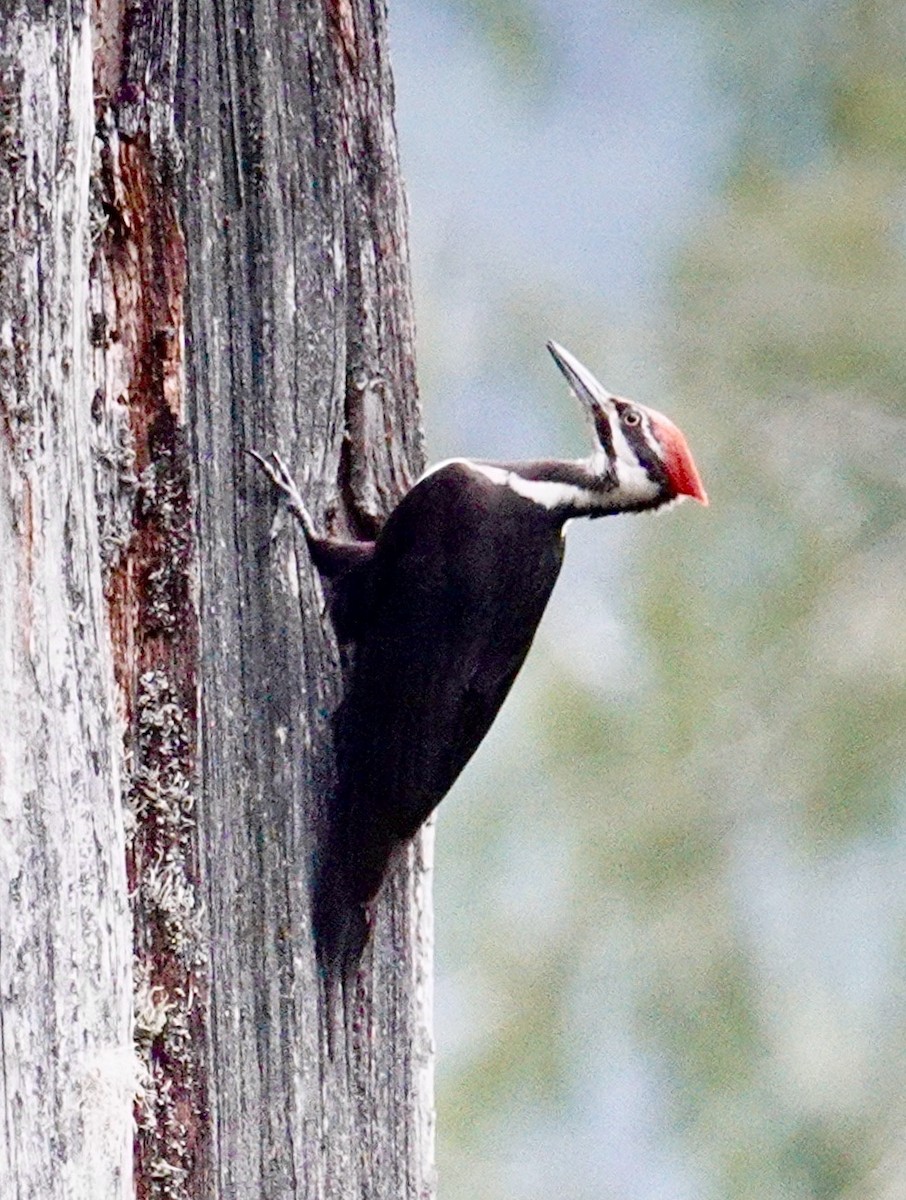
x: 348, y: 879
x: 341, y: 928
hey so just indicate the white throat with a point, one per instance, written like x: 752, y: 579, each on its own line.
x: 635, y: 486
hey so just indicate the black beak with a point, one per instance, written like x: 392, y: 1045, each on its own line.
x: 585, y: 387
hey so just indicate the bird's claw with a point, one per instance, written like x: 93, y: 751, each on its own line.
x: 277, y: 472
x: 280, y: 476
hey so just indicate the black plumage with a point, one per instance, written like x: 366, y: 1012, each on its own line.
x: 442, y: 614
x: 439, y: 613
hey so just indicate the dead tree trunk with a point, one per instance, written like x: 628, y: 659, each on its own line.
x: 202, y: 249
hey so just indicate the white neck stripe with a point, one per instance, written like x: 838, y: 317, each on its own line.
x: 548, y: 494
x: 633, y: 486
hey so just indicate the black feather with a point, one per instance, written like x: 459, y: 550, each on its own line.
x: 444, y: 611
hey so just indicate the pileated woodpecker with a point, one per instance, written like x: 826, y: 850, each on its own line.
x: 441, y: 610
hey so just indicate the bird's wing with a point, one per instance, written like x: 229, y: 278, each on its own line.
x: 461, y: 576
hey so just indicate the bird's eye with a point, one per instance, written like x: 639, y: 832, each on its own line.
x: 632, y: 417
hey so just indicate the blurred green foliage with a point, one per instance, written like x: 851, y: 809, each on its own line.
x: 700, y: 874
x: 513, y: 30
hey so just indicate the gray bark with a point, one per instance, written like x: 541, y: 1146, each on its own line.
x: 66, y: 1061
x: 203, y: 249
x: 301, y: 338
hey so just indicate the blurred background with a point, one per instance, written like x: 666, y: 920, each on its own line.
x: 671, y: 896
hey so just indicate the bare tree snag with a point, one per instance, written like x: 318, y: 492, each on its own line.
x: 202, y: 249
x: 66, y: 1061
x: 300, y: 336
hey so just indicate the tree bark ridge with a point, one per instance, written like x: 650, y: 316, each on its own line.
x: 65, y: 949
x: 202, y: 249
x: 301, y: 339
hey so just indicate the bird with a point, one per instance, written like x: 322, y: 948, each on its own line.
x: 440, y: 610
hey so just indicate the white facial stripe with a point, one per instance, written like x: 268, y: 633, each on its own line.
x: 544, y: 492
x: 634, y: 482
x: 621, y: 447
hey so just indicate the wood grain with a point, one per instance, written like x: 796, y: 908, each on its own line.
x: 202, y: 249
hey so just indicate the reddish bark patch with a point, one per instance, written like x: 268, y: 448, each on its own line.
x: 342, y: 20
x: 139, y: 268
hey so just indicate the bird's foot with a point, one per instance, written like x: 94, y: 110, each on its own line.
x: 279, y: 474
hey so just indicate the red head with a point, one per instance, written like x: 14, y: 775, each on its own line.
x: 641, y: 450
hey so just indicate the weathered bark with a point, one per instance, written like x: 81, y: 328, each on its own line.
x: 202, y: 244
x: 300, y: 337
x: 66, y: 1065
